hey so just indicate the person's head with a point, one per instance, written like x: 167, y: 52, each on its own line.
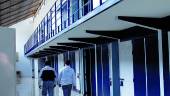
x: 47, y: 63
x: 67, y: 62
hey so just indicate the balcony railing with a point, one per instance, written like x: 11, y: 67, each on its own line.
x: 62, y: 14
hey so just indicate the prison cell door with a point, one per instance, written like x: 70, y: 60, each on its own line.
x: 103, y: 78
x: 89, y: 72
x: 146, y: 66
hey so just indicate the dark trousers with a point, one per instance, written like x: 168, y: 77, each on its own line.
x: 48, y: 87
x: 67, y: 90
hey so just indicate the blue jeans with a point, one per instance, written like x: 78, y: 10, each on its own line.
x: 67, y: 90
x: 48, y: 87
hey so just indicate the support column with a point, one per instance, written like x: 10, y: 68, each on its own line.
x: 165, y: 53
x: 115, y: 67
x: 139, y: 69
x: 37, y: 90
x: 152, y: 64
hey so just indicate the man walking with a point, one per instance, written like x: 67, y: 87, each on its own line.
x: 67, y: 79
x: 47, y: 79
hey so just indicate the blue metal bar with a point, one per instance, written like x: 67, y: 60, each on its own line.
x: 101, y: 2
x: 55, y: 19
x: 61, y: 13
x: 78, y: 9
x: 47, y: 27
x: 91, y: 5
x: 43, y: 23
x: 68, y: 9
x: 51, y: 23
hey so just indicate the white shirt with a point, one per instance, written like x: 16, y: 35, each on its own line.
x: 67, y: 76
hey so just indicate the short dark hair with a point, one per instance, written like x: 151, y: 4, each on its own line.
x: 47, y: 62
x: 67, y: 62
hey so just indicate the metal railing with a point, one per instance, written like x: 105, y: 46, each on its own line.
x: 69, y: 14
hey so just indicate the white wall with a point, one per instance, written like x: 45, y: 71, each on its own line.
x: 161, y: 63
x: 126, y: 68
x: 60, y: 66
x: 36, y: 87
x: 23, y: 32
x: 7, y: 61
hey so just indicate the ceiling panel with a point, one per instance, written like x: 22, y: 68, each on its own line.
x: 13, y: 11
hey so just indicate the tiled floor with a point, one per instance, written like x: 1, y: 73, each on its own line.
x: 25, y: 88
x: 61, y: 93
x: 73, y: 93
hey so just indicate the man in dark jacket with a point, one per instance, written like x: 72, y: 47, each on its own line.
x: 47, y: 79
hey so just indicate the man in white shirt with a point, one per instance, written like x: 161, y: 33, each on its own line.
x: 47, y: 79
x: 67, y: 79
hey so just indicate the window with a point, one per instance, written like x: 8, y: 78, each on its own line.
x: 58, y: 16
x: 53, y: 20
x: 49, y: 22
x: 35, y: 37
x: 86, y: 6
x: 104, y: 1
x: 74, y: 11
x: 45, y: 27
x: 64, y: 15
x: 39, y: 34
x: 42, y: 31
x: 96, y: 3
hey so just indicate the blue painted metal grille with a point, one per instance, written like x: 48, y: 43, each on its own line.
x: 62, y: 14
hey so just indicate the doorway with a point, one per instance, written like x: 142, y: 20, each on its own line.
x: 89, y: 72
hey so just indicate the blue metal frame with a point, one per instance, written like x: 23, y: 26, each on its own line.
x: 166, y: 70
x: 55, y: 19
x: 139, y: 67
x: 51, y: 33
x: 68, y: 7
x: 152, y: 64
x: 115, y: 68
x: 101, y: 2
x: 61, y: 13
x: 47, y: 19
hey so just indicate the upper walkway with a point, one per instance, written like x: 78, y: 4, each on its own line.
x: 60, y: 20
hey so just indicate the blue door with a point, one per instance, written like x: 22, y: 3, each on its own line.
x: 105, y: 67
x: 89, y: 72
x: 103, y: 80
x: 166, y: 73
x: 152, y: 65
x: 146, y: 66
x: 139, y: 67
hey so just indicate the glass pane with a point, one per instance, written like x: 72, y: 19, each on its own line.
x: 49, y: 25
x: 58, y: 18
x: 96, y: 3
x: 74, y: 10
x: 63, y: 1
x: 53, y: 11
x: 104, y: 1
x: 43, y: 30
x: 58, y: 3
x: 86, y: 7
x: 53, y: 22
x: 45, y: 21
x: 64, y: 15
